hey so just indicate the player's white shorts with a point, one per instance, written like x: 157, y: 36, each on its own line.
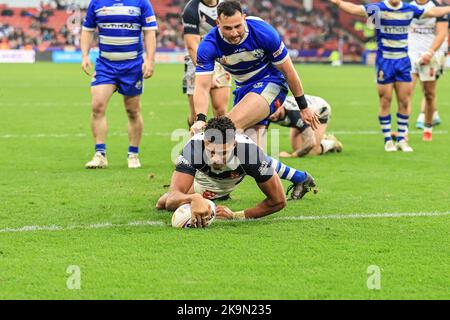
x: 221, y: 75
x: 431, y: 71
x: 211, y: 188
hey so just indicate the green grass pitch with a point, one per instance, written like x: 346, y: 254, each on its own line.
x: 87, y: 217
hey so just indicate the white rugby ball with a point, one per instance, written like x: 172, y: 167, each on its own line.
x: 181, y: 218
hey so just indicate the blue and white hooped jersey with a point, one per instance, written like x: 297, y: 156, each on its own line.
x: 120, y: 24
x: 392, y: 26
x: 251, y: 60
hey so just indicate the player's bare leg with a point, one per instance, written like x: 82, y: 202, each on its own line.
x: 315, y: 145
x: 258, y: 133
x: 100, y: 98
x: 135, y: 128
x: 403, y: 91
x: 385, y: 95
x: 249, y: 111
x: 429, y: 90
x: 220, y: 98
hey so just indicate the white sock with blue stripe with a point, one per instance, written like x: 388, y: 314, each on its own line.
x: 287, y: 173
x: 385, y: 123
x: 402, y: 123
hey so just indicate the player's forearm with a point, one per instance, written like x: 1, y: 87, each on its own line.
x: 192, y: 43
x: 441, y: 34
x: 150, y: 45
x: 268, y: 206
x: 201, y: 94
x: 436, y: 12
x: 85, y: 41
x: 176, y: 199
x: 193, y: 54
x: 292, y: 78
x: 351, y: 8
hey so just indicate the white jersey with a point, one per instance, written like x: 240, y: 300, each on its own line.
x: 292, y: 115
x: 422, y: 32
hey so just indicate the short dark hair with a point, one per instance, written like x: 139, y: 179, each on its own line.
x: 229, y: 8
x: 220, y: 130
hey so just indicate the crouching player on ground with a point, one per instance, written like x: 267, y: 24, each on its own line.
x: 304, y: 140
x: 211, y: 166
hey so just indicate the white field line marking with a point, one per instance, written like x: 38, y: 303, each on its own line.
x: 104, y: 225
x: 150, y: 223
x: 169, y: 134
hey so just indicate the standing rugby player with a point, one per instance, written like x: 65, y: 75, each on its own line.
x: 393, y: 67
x: 199, y: 17
x: 126, y: 59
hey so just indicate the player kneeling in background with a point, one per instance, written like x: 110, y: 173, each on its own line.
x: 304, y: 140
x: 211, y: 166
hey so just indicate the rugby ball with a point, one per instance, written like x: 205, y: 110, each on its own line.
x: 181, y: 218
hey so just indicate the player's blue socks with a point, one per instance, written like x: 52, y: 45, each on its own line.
x: 385, y: 123
x: 133, y: 150
x: 402, y: 123
x: 101, y: 147
x: 287, y: 173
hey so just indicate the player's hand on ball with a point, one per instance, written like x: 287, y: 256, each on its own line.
x: 147, y: 69
x: 86, y: 65
x: 310, y: 117
x: 200, y: 210
x: 223, y: 212
x: 197, y: 127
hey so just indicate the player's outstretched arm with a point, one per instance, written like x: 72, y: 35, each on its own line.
x: 85, y: 44
x: 150, y: 51
x: 274, y: 202
x: 203, y: 85
x: 192, y: 42
x: 436, y: 12
x: 296, y: 87
x: 354, y: 9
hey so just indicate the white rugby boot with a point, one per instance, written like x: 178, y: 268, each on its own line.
x: 99, y: 161
x: 402, y: 145
x: 389, y: 146
x: 133, y: 161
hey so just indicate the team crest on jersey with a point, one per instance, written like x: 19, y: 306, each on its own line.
x: 432, y: 72
x: 234, y: 175
x: 209, y: 195
x: 258, y: 54
x: 381, y: 75
x: 139, y: 85
x: 222, y: 60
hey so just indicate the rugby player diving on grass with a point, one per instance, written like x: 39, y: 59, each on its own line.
x: 211, y: 166
x: 253, y: 52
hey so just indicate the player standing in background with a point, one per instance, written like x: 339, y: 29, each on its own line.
x: 425, y: 36
x: 122, y: 66
x: 304, y: 140
x: 393, y: 66
x: 253, y: 52
x: 426, y: 42
x: 199, y: 17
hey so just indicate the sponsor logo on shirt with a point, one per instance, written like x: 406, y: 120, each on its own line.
x: 279, y: 51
